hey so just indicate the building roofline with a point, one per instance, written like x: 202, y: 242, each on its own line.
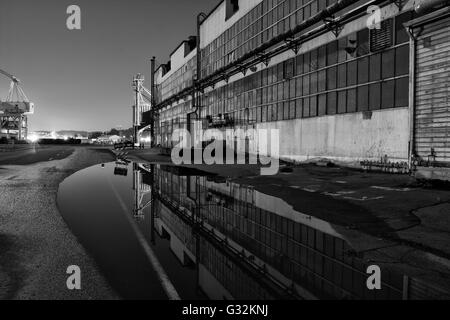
x: 429, y: 17
x: 181, y: 43
x: 212, y: 11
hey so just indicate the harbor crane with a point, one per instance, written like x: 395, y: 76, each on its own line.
x: 14, y: 110
x: 142, y: 103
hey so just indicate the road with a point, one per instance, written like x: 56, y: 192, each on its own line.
x: 36, y: 246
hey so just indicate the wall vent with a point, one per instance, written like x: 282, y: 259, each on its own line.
x: 382, y: 38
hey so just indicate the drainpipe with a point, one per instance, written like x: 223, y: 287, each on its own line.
x: 196, y: 94
x: 411, y: 98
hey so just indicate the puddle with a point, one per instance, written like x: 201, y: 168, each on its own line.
x: 214, y: 239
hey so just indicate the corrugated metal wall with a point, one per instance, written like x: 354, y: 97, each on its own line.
x: 432, y: 114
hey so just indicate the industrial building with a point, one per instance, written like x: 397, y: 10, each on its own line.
x: 357, y: 82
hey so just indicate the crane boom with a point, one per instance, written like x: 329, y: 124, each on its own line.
x: 13, y: 111
x: 13, y: 78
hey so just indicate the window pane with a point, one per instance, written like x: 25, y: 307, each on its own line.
x: 299, y: 86
x: 299, y: 64
x: 331, y: 102
x: 314, y: 56
x: 363, y: 42
x: 375, y: 67
x: 401, y: 92
x: 332, y: 52
x: 342, y: 54
x: 306, y: 107
x: 387, y: 94
x: 322, y: 56
x: 342, y: 75
x: 402, y: 60
x: 322, y: 104
x: 342, y: 101
x: 363, y: 98
x: 280, y: 111
x: 286, y: 110
x: 299, y: 108
x: 351, y: 73
x: 363, y: 70
x: 306, y: 62
x: 322, y: 85
x: 351, y: 100
x: 292, y: 109
x: 387, y: 63
x: 331, y: 78
x: 313, y: 82
x: 374, y: 96
x: 306, y: 85
x: 313, y: 106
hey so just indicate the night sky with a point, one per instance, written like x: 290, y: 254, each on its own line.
x: 81, y: 79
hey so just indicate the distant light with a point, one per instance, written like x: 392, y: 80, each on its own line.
x: 33, y: 138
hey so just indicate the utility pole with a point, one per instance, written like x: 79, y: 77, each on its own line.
x: 137, y: 86
x: 153, y: 102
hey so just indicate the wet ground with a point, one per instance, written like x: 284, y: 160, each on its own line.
x: 150, y: 230
x: 221, y: 238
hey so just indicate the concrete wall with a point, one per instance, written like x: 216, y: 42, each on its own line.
x: 344, y: 138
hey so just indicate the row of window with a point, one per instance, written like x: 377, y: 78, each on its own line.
x: 176, y: 82
x: 308, y: 86
x: 267, y: 20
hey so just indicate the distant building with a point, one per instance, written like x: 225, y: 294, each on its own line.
x: 108, y: 139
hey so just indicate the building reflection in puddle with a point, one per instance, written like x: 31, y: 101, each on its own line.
x: 245, y: 244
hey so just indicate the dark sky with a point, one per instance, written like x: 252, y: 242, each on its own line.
x: 81, y: 79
